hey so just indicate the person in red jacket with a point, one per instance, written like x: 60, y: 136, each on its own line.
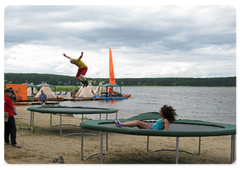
x: 10, y: 126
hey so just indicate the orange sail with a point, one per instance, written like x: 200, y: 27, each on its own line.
x: 111, y: 70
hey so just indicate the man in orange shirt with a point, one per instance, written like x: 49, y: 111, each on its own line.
x: 82, y: 68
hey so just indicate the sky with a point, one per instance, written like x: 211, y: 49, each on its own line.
x: 146, y: 41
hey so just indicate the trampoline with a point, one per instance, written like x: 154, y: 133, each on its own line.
x: 67, y: 110
x: 180, y: 128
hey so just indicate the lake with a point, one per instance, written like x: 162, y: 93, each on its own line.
x: 214, y: 104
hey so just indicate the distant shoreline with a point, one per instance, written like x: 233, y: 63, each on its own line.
x: 61, y: 80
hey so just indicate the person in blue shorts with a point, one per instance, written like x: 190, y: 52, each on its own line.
x: 167, y: 113
x: 43, y: 98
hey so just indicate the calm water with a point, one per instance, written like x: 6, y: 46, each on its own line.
x: 214, y: 104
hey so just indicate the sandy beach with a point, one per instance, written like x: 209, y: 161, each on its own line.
x: 45, y: 143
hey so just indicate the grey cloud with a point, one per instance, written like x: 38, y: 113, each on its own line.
x: 142, y: 32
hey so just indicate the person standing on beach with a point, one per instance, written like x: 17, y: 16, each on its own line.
x: 10, y: 126
x: 13, y: 95
x: 43, y: 98
x: 167, y: 114
x: 82, y: 68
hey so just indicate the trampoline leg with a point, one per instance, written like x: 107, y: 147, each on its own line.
x: 82, y: 144
x: 106, y: 143
x: 148, y: 143
x: 199, y: 146
x: 51, y: 119
x: 177, y: 149
x: 61, y: 124
x: 101, y: 148
x: 232, y: 148
x: 32, y: 120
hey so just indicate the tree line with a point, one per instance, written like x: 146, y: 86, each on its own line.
x: 61, y: 80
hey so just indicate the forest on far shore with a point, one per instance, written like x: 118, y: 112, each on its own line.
x: 61, y: 80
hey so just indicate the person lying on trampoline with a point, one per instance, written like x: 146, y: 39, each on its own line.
x: 167, y: 113
x: 82, y: 68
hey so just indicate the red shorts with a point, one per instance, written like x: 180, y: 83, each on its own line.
x: 81, y: 71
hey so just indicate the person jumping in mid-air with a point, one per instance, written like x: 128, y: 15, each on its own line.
x: 82, y: 68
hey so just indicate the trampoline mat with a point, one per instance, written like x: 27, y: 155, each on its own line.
x: 180, y: 128
x: 175, y: 127
x: 71, y: 110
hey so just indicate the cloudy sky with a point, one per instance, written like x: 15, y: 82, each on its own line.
x: 146, y: 41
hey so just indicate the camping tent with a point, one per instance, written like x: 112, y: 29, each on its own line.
x: 20, y: 90
x: 31, y: 89
x: 84, y: 92
x: 100, y: 90
x: 91, y: 88
x: 40, y: 85
x: 46, y: 89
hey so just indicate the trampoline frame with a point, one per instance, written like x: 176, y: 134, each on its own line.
x: 93, y: 125
x: 33, y: 109
x: 232, y: 156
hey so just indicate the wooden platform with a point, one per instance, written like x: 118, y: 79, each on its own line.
x: 35, y: 103
x: 50, y: 102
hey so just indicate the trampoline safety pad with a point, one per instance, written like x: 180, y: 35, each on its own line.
x: 180, y: 128
x: 71, y: 110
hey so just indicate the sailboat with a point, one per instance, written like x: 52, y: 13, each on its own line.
x: 111, y: 70
x: 111, y: 94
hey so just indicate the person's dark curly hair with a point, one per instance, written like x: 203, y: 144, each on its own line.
x: 169, y: 113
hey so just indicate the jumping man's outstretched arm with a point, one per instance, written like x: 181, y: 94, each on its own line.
x: 81, y: 56
x: 66, y: 56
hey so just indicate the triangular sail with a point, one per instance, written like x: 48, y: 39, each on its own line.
x: 111, y: 70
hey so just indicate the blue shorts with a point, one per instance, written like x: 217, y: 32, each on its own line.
x: 152, y: 127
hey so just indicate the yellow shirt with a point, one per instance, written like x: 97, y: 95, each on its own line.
x: 80, y: 63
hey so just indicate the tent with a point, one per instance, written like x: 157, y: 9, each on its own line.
x: 31, y: 89
x: 84, y: 92
x: 112, y: 85
x: 91, y: 88
x: 79, y: 91
x: 100, y: 90
x: 40, y: 85
x: 46, y: 89
x: 20, y: 90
